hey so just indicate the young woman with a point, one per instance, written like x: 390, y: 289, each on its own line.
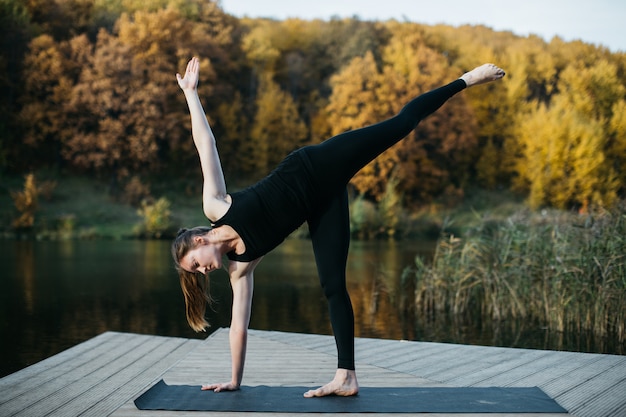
x: 308, y: 186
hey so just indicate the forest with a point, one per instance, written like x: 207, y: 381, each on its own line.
x: 89, y: 89
x: 89, y: 94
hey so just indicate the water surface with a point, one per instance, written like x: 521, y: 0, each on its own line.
x: 58, y: 294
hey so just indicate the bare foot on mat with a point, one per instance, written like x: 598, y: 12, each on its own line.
x: 344, y: 384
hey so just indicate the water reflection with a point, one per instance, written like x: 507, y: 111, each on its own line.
x: 58, y: 294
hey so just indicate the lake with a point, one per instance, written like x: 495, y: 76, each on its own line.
x: 58, y: 294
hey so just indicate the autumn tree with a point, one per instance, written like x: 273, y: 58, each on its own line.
x: 531, y: 77
x: 277, y: 128
x: 50, y: 71
x: 303, y: 55
x: 128, y: 108
x: 567, y: 144
x: 438, y: 157
x: 433, y: 157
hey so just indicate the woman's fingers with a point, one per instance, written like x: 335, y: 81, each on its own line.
x: 218, y: 387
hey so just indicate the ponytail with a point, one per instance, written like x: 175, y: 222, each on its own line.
x: 195, y: 285
x: 195, y: 288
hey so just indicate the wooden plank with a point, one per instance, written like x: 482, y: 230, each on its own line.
x: 460, y: 365
x: 49, y: 398
x: 607, y: 403
x: 308, y: 341
x: 452, y: 362
x: 25, y: 378
x: 97, y: 377
x: 276, y: 363
x: 582, y: 375
x: 598, y: 385
x: 121, y: 387
x: 65, y: 374
x: 483, y: 377
x: 553, y: 367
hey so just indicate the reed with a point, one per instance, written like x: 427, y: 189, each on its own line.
x: 561, y: 271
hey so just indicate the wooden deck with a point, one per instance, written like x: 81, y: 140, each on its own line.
x: 103, y: 376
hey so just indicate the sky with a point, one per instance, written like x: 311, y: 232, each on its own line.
x: 600, y: 22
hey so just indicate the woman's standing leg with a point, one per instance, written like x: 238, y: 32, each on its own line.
x: 330, y: 236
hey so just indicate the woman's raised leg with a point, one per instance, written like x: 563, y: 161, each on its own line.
x: 337, y: 159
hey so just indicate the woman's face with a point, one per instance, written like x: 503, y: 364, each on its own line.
x: 204, y: 258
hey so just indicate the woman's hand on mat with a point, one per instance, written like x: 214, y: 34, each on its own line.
x: 226, y: 386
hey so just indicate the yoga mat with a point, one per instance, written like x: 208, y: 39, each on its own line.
x: 369, y: 400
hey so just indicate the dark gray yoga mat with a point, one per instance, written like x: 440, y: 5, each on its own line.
x: 370, y: 400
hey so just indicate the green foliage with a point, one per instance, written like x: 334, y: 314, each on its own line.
x: 363, y: 218
x: 384, y: 219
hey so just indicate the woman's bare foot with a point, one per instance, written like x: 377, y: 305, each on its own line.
x: 344, y: 384
x: 483, y: 74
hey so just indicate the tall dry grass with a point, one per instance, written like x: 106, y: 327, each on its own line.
x: 562, y: 271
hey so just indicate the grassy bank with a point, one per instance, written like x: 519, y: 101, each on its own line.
x: 77, y: 207
x: 80, y: 207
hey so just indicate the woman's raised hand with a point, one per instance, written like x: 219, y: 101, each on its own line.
x: 190, y: 80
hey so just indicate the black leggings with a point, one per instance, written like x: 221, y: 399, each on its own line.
x: 334, y: 163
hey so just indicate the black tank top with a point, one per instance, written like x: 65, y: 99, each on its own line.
x: 265, y: 213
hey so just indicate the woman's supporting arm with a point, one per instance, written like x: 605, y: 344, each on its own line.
x: 238, y: 336
x: 242, y: 283
x: 214, y: 196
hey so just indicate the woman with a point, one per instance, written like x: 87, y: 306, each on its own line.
x: 308, y: 186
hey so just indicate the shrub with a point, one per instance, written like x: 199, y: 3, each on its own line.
x: 157, y: 218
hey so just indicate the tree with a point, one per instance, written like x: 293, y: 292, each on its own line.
x: 15, y: 33
x: 61, y: 19
x: 439, y: 152
x: 50, y: 71
x: 565, y: 145
x: 354, y: 103
x: 127, y: 106
x: 277, y: 128
x: 531, y: 75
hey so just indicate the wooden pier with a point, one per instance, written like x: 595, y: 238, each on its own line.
x: 102, y: 376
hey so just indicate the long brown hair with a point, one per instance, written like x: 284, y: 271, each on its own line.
x: 195, y: 285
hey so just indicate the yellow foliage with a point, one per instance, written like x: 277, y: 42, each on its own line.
x: 278, y: 128
x: 563, y: 160
x: 26, y: 203
x: 555, y: 125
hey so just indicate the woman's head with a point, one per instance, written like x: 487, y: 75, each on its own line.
x: 194, y: 283
x: 185, y: 241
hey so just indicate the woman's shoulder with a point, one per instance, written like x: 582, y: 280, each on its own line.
x: 237, y: 269
x: 216, y: 208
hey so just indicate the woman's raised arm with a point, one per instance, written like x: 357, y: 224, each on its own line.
x: 214, y: 196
